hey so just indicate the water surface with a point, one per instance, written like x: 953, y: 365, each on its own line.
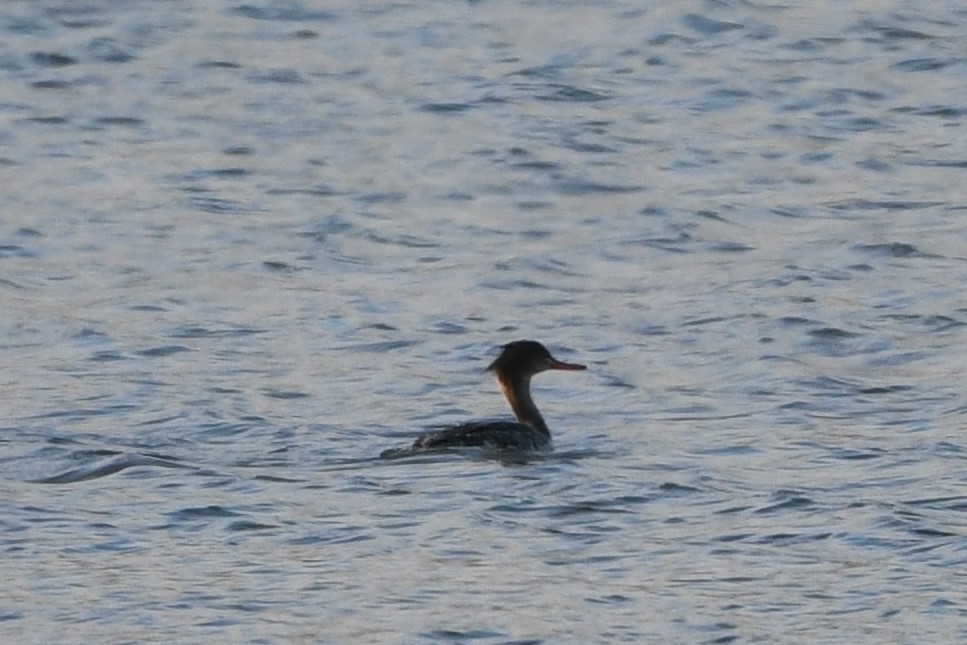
x: 244, y: 247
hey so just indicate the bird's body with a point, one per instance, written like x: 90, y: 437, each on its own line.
x: 493, y: 434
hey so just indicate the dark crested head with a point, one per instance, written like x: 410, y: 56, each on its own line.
x: 526, y: 358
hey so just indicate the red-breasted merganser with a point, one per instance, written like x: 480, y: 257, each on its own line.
x: 515, y: 366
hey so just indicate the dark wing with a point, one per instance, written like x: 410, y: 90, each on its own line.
x: 480, y: 434
x: 493, y: 435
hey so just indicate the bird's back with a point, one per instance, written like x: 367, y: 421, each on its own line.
x: 493, y: 435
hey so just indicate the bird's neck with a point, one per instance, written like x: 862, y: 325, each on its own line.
x: 517, y: 391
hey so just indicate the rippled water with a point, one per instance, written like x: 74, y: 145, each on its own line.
x: 244, y: 247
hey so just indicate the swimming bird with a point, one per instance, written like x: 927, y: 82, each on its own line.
x: 517, y: 363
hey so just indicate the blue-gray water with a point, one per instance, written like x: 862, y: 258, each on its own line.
x: 246, y: 246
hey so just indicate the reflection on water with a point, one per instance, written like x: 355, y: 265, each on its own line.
x: 246, y: 249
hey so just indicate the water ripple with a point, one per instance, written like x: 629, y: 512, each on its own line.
x: 109, y: 467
